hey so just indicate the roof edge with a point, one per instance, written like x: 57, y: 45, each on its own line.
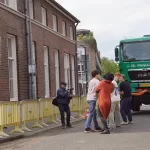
x: 64, y: 10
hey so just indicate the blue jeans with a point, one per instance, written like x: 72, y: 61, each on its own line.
x: 92, y: 115
x: 125, y: 108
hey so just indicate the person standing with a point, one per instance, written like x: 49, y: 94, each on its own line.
x: 105, y: 88
x: 91, y: 99
x: 114, y: 119
x: 63, y: 99
x: 125, y: 105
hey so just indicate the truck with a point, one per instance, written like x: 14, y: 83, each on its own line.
x: 133, y: 57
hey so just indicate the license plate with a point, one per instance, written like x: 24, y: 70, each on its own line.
x: 144, y: 85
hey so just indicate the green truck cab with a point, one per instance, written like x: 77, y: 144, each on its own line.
x: 133, y: 56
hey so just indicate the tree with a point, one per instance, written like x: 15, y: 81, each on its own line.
x: 109, y: 65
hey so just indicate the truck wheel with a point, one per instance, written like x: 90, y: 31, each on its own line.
x: 136, y: 108
x: 135, y: 105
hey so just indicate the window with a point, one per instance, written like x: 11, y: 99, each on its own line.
x: 54, y: 23
x: 32, y: 9
x: 73, y: 73
x: 71, y: 33
x: 136, y: 51
x: 46, y: 72
x: 63, y: 28
x: 67, y: 69
x: 11, y: 3
x: 57, y: 69
x: 44, y: 16
x: 34, y: 77
x: 12, y: 65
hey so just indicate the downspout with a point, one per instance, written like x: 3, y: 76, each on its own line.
x: 29, y: 45
x: 76, y: 58
x: 31, y: 51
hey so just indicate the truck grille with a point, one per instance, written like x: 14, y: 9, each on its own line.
x: 139, y: 74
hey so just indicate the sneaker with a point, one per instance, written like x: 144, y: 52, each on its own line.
x: 87, y: 130
x: 124, y: 123
x: 98, y: 129
x: 118, y: 126
x: 130, y: 122
x: 105, y: 132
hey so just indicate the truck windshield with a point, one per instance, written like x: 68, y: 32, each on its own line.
x: 137, y: 51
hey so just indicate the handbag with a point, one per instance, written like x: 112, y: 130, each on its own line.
x: 54, y: 102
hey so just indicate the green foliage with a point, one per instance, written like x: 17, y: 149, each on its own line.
x: 109, y: 65
x: 81, y: 37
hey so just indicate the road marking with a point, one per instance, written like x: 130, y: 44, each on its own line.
x: 81, y: 142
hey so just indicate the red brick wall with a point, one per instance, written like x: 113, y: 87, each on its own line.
x: 12, y: 24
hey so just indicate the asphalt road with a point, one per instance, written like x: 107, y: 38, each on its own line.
x: 131, y: 137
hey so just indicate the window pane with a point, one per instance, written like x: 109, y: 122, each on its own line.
x: 11, y: 88
x: 7, y: 2
x: 44, y: 16
x: 63, y: 28
x: 71, y: 33
x: 54, y: 23
x: 31, y: 9
x: 67, y: 69
x: 9, y: 48
x: 73, y: 73
x: 11, y: 69
x: 46, y: 72
x: 57, y: 69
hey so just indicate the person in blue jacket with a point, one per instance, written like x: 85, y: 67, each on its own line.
x: 63, y: 99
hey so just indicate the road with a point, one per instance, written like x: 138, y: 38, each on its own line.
x: 131, y: 137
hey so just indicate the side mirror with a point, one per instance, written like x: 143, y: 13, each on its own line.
x: 116, y: 54
x: 116, y: 59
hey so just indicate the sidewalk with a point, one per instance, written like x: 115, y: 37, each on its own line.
x: 34, y: 131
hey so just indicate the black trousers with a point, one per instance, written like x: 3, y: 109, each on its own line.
x: 125, y: 109
x: 64, y: 108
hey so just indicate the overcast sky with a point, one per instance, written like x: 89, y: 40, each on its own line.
x: 111, y: 20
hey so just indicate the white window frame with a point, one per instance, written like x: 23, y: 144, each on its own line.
x: 55, y: 26
x: 11, y: 3
x: 57, y: 77
x: 71, y: 33
x: 34, y: 86
x: 67, y: 70
x: 13, y: 59
x: 46, y: 72
x: 44, y: 16
x: 73, y: 73
x: 32, y: 9
x: 63, y: 28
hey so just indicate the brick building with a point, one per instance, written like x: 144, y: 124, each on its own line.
x: 37, y: 51
x: 88, y: 58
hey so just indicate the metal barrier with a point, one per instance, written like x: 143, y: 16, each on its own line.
x: 46, y: 110
x: 9, y: 116
x: 33, y: 111
x: 29, y: 113
x: 75, y: 105
x: 83, y: 105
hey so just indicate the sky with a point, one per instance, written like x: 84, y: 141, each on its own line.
x: 111, y: 20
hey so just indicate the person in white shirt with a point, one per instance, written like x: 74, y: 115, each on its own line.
x: 114, y: 119
x: 91, y: 99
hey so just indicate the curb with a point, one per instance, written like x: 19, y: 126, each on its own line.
x: 33, y: 133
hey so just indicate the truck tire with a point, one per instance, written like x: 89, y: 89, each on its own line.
x: 135, y: 105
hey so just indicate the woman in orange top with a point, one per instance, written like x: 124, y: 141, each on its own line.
x: 105, y: 88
